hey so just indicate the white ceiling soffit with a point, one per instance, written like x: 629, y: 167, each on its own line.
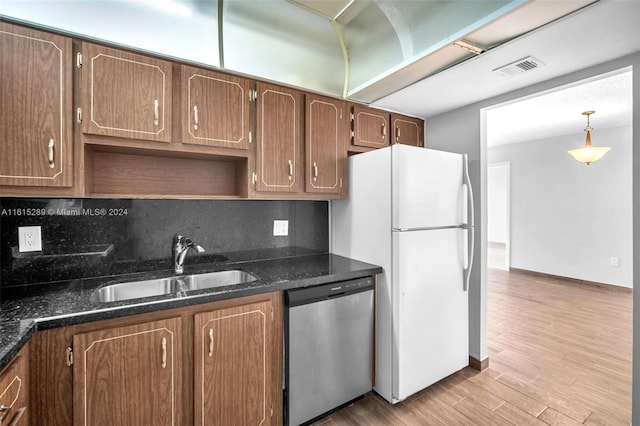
x: 390, y: 44
x: 282, y: 42
x: 597, y: 33
x: 503, y: 24
x: 168, y: 27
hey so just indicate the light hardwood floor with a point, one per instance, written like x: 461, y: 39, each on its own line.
x: 559, y: 354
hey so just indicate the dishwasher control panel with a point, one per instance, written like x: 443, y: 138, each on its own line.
x: 317, y: 293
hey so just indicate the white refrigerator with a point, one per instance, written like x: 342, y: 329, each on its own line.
x: 410, y: 210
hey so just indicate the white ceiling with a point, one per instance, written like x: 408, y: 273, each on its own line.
x: 598, y: 33
x: 560, y: 112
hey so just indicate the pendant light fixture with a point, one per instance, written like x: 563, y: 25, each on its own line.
x: 589, y: 153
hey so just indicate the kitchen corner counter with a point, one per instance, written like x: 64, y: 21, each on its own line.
x: 26, y: 309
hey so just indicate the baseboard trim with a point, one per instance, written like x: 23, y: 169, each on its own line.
x: 572, y: 280
x: 477, y: 364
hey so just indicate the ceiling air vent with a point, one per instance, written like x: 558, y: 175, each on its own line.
x: 519, y: 67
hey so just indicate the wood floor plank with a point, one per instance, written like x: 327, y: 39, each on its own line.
x: 598, y: 400
x: 481, y: 415
x: 607, y: 419
x: 477, y: 393
x: 510, y: 395
x: 546, y: 396
x: 445, y: 413
x: 517, y: 416
x: 556, y: 418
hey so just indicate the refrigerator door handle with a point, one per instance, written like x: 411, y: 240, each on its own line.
x: 470, y: 224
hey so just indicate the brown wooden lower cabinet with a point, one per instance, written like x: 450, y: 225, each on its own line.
x: 233, y: 366
x: 128, y: 375
x: 14, y: 390
x: 149, y: 369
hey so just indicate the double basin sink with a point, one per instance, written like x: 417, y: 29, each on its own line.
x: 170, y: 285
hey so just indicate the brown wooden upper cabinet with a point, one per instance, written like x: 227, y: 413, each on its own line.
x: 128, y: 375
x: 327, y: 133
x: 370, y: 127
x: 215, y: 108
x: 407, y: 130
x: 124, y: 94
x: 35, y: 108
x: 279, y: 132
x: 233, y: 365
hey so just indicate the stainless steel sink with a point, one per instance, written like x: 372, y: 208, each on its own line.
x: 218, y: 279
x: 136, y: 290
x: 158, y: 287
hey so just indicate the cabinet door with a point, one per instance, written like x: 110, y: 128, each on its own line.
x: 279, y: 138
x: 35, y: 108
x: 407, y: 130
x: 370, y: 127
x: 215, y: 108
x: 233, y: 365
x: 327, y: 132
x: 13, y: 391
x: 128, y: 375
x: 125, y: 95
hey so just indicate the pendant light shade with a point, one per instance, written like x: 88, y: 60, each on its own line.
x: 589, y: 153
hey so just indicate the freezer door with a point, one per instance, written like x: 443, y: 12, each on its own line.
x: 430, y: 308
x: 427, y: 188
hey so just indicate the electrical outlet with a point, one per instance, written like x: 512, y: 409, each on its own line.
x: 280, y: 228
x: 614, y: 261
x: 29, y: 238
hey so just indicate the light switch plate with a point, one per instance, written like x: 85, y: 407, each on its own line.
x: 29, y: 238
x: 280, y: 228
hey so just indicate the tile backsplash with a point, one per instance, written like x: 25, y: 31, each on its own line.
x: 97, y: 237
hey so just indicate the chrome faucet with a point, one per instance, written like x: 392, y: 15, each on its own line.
x: 181, y: 246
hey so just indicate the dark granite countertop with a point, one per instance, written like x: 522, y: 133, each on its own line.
x: 25, y: 309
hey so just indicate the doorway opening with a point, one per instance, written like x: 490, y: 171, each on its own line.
x: 498, y: 215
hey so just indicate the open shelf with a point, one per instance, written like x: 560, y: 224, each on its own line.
x: 132, y: 172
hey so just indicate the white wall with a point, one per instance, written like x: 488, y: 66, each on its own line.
x: 497, y: 202
x: 567, y: 218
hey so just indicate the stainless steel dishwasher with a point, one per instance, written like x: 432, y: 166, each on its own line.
x: 328, y: 347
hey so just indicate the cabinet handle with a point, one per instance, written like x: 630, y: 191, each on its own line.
x: 397, y: 134
x: 384, y: 130
x: 156, y: 112
x: 50, y: 146
x: 164, y: 352
x: 69, y: 356
x: 290, y: 169
x: 4, y: 411
x: 210, y: 342
x: 195, y: 117
x: 315, y: 170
